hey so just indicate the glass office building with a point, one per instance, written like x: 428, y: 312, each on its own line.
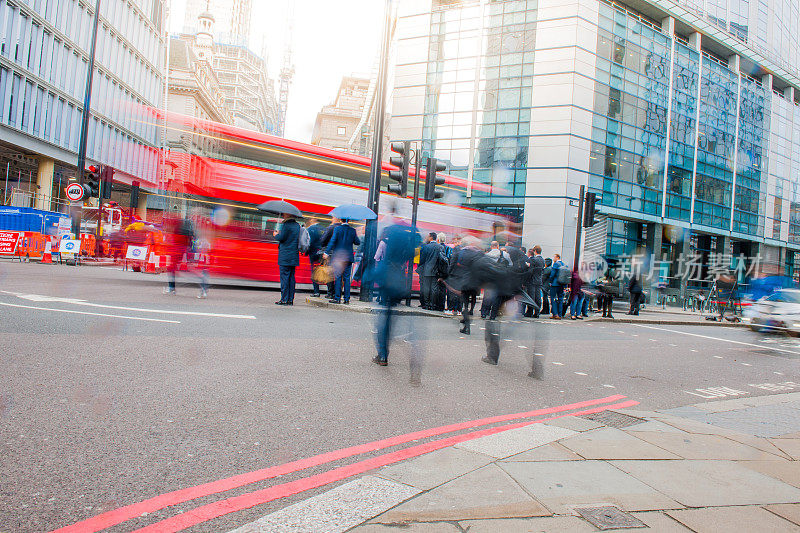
x: 44, y: 54
x: 683, y: 118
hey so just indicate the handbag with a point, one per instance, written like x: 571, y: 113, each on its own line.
x: 323, y: 273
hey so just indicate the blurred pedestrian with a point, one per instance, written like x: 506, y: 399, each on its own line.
x: 537, y: 266
x: 557, y: 282
x: 178, y: 241
x: 340, y: 252
x: 314, y: 253
x: 576, y: 296
x: 463, y: 279
x: 391, y: 271
x: 548, y: 268
x: 323, y: 244
x: 501, y: 257
x: 288, y: 257
x: 453, y: 304
x: 635, y: 288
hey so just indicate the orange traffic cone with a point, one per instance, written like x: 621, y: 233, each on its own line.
x: 47, y: 256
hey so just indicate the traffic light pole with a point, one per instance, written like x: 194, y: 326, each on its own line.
x: 75, y: 210
x: 579, y: 229
x: 374, y: 193
x: 414, y: 207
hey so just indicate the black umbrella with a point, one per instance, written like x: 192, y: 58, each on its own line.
x: 280, y: 207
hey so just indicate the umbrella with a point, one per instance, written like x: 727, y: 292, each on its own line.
x: 353, y: 212
x: 280, y: 207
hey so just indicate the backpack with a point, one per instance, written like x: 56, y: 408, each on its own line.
x: 304, y: 240
x: 563, y: 275
x: 501, y: 260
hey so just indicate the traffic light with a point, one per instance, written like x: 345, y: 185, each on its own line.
x: 589, y: 210
x: 107, y: 177
x: 400, y: 176
x: 134, y: 203
x: 91, y: 181
x: 432, y: 180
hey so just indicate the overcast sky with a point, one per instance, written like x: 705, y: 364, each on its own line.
x: 329, y: 40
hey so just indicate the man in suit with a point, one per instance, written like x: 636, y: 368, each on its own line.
x: 323, y: 244
x: 314, y: 252
x: 427, y: 271
x: 537, y: 266
x: 340, y: 252
x: 288, y: 257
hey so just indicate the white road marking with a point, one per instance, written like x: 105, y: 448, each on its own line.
x: 91, y: 314
x: 695, y: 351
x: 620, y: 331
x: 609, y: 386
x: 779, y: 373
x: 75, y: 301
x: 673, y: 345
x: 713, y: 338
x: 718, y: 357
x: 582, y: 373
x: 557, y: 363
x: 634, y: 335
x: 523, y: 347
x: 747, y: 364
x: 716, y: 392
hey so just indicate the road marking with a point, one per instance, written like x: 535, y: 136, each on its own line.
x: 695, y: 351
x: 714, y: 338
x: 779, y: 373
x: 776, y: 387
x: 582, y: 373
x: 716, y: 392
x: 91, y: 314
x: 523, y: 347
x: 620, y: 331
x: 233, y: 504
x: 634, y: 335
x: 718, y: 357
x: 674, y: 345
x: 610, y: 386
x: 557, y: 363
x: 76, y: 301
x: 123, y: 514
x: 747, y: 364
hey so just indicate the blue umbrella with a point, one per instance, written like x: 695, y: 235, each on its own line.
x: 353, y: 212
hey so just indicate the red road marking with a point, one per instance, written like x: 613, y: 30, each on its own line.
x: 122, y: 514
x: 245, y: 501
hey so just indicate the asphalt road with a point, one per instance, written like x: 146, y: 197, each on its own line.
x: 112, y: 392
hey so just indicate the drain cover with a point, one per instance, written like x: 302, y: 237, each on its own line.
x: 609, y: 517
x: 614, y: 420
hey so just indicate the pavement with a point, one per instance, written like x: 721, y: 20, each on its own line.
x: 648, y: 315
x: 731, y: 465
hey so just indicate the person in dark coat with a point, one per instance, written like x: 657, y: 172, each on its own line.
x: 548, y: 268
x: 401, y: 241
x: 462, y: 278
x: 314, y: 251
x: 323, y: 244
x: 428, y: 271
x: 340, y: 252
x: 575, y: 296
x: 288, y: 257
x: 535, y: 285
x: 635, y: 288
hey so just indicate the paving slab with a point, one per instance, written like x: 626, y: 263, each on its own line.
x: 549, y: 452
x: 516, y: 441
x: 794, y: 435
x: 561, y: 524
x: 432, y: 527
x: 789, y: 511
x: 654, y: 425
x: 754, y: 401
x: 727, y: 519
x: 790, y: 447
x: 561, y: 485
x: 435, y: 468
x: 698, y: 446
x: 658, y: 521
x: 762, y: 421
x: 612, y: 443
x: 488, y: 492
x: 704, y: 483
x: 336, y: 510
x: 760, y: 443
x: 575, y: 423
x: 786, y: 471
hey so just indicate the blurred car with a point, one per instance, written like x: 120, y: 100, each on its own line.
x: 779, y: 311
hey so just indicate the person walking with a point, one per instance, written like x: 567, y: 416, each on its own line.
x: 635, y: 288
x: 400, y: 242
x: 314, y: 253
x: 340, y: 251
x: 179, y: 238
x: 462, y: 277
x: 288, y: 257
x: 501, y: 257
x: 428, y: 271
x: 576, y: 296
x: 557, y: 283
x: 323, y: 244
x: 537, y: 266
x: 453, y: 304
x: 607, y: 287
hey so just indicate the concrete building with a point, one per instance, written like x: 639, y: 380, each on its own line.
x: 44, y: 48
x: 249, y: 91
x: 337, y: 123
x: 194, y: 93
x: 232, y: 18
x: 683, y: 118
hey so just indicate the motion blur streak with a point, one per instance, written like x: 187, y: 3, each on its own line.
x: 128, y: 512
x: 245, y: 501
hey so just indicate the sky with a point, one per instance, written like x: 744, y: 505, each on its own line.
x: 329, y: 40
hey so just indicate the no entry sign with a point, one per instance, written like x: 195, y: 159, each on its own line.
x: 75, y: 192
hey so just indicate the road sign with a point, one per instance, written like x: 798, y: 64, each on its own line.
x: 136, y: 252
x: 75, y: 192
x: 9, y: 241
x: 70, y: 246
